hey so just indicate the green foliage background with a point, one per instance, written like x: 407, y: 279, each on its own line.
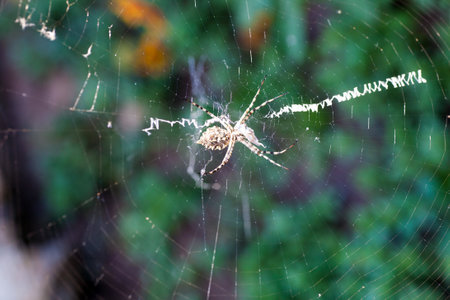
x: 367, y: 219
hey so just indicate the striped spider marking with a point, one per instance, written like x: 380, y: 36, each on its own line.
x: 219, y: 138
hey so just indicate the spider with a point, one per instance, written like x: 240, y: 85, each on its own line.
x: 217, y: 138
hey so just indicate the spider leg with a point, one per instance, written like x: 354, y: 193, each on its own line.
x: 241, y: 120
x: 227, y: 156
x: 279, y: 152
x: 261, y: 105
x: 227, y: 126
x: 204, y: 109
x: 260, y: 153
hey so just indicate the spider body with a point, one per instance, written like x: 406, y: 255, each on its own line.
x: 215, y: 138
x: 218, y: 138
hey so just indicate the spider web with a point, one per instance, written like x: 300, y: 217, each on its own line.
x: 100, y: 170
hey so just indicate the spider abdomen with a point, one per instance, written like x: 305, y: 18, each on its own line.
x: 214, y: 138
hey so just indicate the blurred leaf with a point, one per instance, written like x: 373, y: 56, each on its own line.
x: 292, y: 30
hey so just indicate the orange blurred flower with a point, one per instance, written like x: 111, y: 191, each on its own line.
x: 152, y: 57
x: 259, y: 28
x: 136, y: 13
